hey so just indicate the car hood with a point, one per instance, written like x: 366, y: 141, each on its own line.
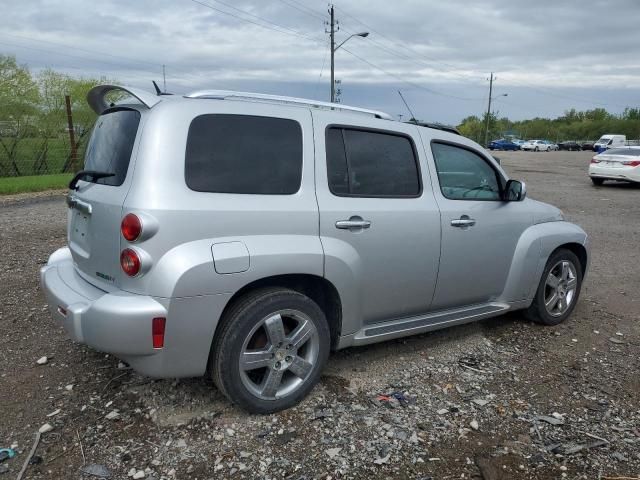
x: 543, y: 213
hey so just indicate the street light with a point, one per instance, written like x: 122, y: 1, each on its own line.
x: 361, y: 34
x: 333, y: 52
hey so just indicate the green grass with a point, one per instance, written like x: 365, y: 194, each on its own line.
x: 36, y: 183
x: 30, y: 157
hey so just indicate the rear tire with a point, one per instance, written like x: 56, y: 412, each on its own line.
x: 558, y: 290
x: 597, y: 181
x: 270, y: 350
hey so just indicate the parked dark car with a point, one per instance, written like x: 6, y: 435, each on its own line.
x: 587, y: 145
x: 503, y: 145
x: 570, y: 145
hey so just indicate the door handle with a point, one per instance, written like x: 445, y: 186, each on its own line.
x: 354, y: 223
x: 463, y: 222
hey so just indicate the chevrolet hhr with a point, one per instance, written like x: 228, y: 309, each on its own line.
x: 245, y: 236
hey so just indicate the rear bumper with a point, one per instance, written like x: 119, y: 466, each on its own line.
x: 626, y: 173
x: 120, y: 322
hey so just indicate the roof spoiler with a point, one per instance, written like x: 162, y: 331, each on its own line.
x: 97, y: 101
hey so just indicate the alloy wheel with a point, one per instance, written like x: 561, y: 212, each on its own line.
x: 560, y: 288
x: 279, y: 354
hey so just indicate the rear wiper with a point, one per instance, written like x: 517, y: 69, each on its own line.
x: 93, y: 175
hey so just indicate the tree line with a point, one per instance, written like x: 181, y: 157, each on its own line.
x: 573, y: 125
x: 34, y: 137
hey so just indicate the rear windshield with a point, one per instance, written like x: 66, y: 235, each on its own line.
x: 632, y: 152
x: 111, y: 143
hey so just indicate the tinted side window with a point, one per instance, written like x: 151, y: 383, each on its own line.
x: 464, y: 175
x: 111, y: 143
x: 244, y: 154
x: 371, y: 164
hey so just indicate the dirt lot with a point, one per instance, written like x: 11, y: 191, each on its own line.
x: 502, y: 398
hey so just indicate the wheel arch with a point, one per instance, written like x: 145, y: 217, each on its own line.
x: 579, y: 251
x: 534, y: 249
x: 317, y: 288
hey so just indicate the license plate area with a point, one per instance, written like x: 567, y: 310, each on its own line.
x: 79, y: 233
x: 611, y: 164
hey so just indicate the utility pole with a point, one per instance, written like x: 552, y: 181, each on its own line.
x: 338, y: 93
x: 486, y: 126
x: 334, y: 26
x: 164, y: 78
x: 332, y: 31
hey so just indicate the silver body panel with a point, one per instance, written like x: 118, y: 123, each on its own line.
x: 411, y: 271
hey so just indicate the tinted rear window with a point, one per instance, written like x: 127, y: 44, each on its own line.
x: 111, y: 143
x: 244, y: 154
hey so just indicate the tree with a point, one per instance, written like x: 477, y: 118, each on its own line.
x: 19, y: 98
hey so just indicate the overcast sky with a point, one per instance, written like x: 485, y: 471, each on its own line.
x: 548, y: 55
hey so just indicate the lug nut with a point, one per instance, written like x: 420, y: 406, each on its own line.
x: 289, y: 358
x: 278, y: 365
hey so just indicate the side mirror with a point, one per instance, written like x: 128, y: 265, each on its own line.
x: 514, y: 191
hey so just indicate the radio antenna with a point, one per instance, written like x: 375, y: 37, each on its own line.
x: 413, y: 117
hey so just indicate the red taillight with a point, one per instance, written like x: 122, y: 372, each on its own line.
x: 157, y: 331
x: 131, y: 227
x: 130, y: 262
x: 595, y: 160
x: 631, y: 163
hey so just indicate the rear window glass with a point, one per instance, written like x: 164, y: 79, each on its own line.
x: 631, y: 152
x: 111, y: 143
x: 244, y: 154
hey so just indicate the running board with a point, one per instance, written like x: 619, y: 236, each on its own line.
x: 423, y: 323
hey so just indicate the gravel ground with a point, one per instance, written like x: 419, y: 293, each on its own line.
x: 498, y: 399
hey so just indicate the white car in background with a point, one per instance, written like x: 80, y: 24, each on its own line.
x: 537, y: 146
x: 616, y: 164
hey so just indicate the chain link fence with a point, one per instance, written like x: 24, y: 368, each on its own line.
x: 42, y: 141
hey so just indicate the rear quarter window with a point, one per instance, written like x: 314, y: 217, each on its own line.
x: 111, y: 144
x: 244, y: 154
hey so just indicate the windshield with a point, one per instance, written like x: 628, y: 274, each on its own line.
x: 604, y: 140
x: 111, y: 143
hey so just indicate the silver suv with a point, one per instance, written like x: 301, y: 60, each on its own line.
x: 245, y: 236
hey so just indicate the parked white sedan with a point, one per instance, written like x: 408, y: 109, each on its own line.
x: 616, y: 164
x: 537, y: 146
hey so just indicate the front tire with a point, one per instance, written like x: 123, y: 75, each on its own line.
x: 270, y: 350
x: 558, y: 290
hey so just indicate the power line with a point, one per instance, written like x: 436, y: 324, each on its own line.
x: 279, y: 30
x: 416, y: 55
x: 324, y: 61
x: 452, y: 69
x: 304, y: 9
x: 244, y: 12
x: 91, y: 60
x: 415, y: 85
x: 75, y: 47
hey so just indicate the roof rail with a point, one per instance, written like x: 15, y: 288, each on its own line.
x: 261, y: 97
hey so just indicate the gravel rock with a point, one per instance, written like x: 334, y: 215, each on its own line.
x: 501, y: 373
x: 45, y: 428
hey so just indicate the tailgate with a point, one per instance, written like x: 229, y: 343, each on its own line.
x: 96, y: 206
